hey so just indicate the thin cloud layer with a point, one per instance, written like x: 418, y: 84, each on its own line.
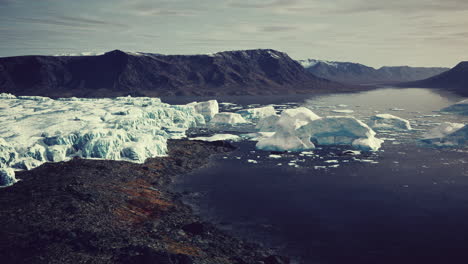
x: 399, y: 32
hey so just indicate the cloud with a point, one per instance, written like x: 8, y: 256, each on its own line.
x: 278, y: 28
x: 403, y: 6
x: 271, y: 4
x: 68, y: 21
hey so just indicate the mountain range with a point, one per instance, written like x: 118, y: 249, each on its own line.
x: 355, y: 73
x: 118, y: 73
x: 455, y: 80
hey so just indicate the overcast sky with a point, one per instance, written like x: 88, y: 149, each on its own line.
x: 372, y: 32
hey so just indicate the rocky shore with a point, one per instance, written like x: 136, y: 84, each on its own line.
x: 101, y: 211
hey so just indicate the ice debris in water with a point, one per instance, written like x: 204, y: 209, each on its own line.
x: 460, y: 108
x: 343, y: 111
x: 447, y: 135
x: 37, y: 129
x: 387, y: 121
x: 218, y: 137
x: 225, y: 118
x: 286, y: 136
x: 207, y: 109
x: 255, y: 114
x: 298, y: 129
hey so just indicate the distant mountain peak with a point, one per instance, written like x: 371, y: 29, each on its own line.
x: 356, y: 73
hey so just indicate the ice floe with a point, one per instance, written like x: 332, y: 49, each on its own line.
x: 460, y: 108
x: 228, y: 119
x: 387, y: 121
x: 286, y: 136
x: 255, y: 114
x: 447, y: 135
x: 341, y: 130
x: 218, y: 137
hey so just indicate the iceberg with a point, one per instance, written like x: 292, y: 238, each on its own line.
x: 255, y: 114
x: 300, y: 129
x: 341, y: 130
x: 218, y: 137
x: 226, y: 118
x: 267, y: 124
x: 460, y: 108
x: 207, y: 109
x: 286, y: 137
x: 387, y: 121
x: 447, y: 135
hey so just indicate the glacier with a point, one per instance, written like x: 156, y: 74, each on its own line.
x: 38, y: 129
x: 387, y: 121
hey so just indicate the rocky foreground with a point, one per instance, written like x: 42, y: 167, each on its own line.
x: 100, y: 211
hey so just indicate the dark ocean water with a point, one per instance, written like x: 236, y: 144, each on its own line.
x: 407, y: 203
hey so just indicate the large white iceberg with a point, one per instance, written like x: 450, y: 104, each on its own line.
x: 447, y: 135
x: 460, y: 108
x: 300, y: 129
x: 286, y: 136
x: 341, y: 130
x: 36, y: 129
x: 226, y: 118
x: 387, y: 121
x: 255, y: 114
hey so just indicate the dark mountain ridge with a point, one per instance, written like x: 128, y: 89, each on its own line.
x: 455, y: 80
x: 356, y: 73
x: 119, y: 73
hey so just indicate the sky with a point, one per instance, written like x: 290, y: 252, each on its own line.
x: 372, y: 32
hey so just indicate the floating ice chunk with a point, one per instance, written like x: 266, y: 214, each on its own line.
x: 257, y: 113
x: 226, y: 118
x: 257, y: 136
x: 343, y: 111
x: 268, y: 124
x: 252, y: 161
x: 7, y: 176
x: 368, y: 144
x: 331, y: 161
x: 447, y: 134
x: 396, y: 109
x: 218, y: 137
x: 387, y: 121
x: 286, y: 136
x: 341, y: 130
x: 274, y: 156
x: 351, y: 152
x: 460, y: 108
x: 207, y: 109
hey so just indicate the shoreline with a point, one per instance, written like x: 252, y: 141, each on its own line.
x: 101, y: 211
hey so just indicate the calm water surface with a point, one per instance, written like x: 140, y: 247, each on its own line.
x: 407, y: 203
